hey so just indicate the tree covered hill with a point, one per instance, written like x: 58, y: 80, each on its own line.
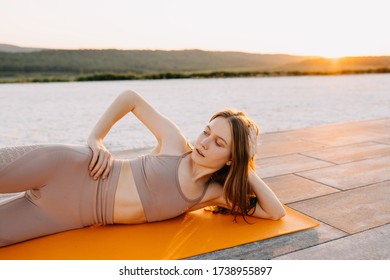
x: 136, y: 61
x: 125, y: 64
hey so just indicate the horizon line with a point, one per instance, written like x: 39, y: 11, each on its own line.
x: 199, y: 49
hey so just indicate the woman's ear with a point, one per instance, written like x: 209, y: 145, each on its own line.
x: 229, y: 162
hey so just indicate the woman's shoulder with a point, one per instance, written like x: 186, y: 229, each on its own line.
x: 174, y: 148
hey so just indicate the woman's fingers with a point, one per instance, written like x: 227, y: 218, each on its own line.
x: 103, y: 165
x: 108, y: 167
x: 101, y: 161
x: 94, y: 158
x: 100, y: 170
x: 95, y: 162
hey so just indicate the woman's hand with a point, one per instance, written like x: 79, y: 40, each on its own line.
x: 101, y: 161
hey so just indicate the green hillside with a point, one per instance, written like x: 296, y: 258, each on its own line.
x: 136, y: 61
x: 31, y: 64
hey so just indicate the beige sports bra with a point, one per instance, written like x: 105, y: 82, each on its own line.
x: 157, y: 181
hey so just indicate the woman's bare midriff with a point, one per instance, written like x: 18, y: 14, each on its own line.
x: 128, y: 207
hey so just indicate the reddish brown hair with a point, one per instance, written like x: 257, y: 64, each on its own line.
x: 235, y: 177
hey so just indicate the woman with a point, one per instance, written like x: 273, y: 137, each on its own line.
x: 67, y: 187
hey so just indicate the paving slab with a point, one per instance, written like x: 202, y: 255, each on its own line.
x: 347, y: 133
x: 277, y: 246
x: 349, y: 153
x: 379, y: 125
x: 285, y: 147
x: 342, y: 138
x: 291, y: 188
x: 372, y: 244
x: 282, y: 165
x: 351, y: 175
x: 351, y: 211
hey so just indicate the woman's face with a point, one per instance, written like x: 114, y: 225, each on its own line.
x: 213, y: 146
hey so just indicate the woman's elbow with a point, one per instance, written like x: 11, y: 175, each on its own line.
x: 128, y: 97
x: 277, y: 215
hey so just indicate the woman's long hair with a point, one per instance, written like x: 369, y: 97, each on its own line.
x: 235, y: 177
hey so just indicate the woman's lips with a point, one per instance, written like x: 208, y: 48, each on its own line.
x: 200, y: 153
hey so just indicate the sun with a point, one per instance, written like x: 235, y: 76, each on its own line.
x: 335, y: 54
x: 346, y: 50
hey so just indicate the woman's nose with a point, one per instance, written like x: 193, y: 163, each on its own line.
x: 205, y: 143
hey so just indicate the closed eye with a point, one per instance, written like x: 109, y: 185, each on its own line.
x: 219, y: 141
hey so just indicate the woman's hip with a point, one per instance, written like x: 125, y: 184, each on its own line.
x: 71, y: 193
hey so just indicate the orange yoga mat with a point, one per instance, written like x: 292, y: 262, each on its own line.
x: 191, y: 234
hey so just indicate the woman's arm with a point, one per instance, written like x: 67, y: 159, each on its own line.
x: 129, y: 101
x: 268, y: 205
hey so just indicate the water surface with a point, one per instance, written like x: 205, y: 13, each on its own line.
x: 66, y: 112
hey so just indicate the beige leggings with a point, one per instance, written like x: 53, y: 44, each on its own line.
x: 59, y: 194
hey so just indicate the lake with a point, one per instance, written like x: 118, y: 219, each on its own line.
x: 66, y: 112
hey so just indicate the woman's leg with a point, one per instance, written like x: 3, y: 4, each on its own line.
x: 21, y: 219
x: 60, y: 194
x: 27, y: 167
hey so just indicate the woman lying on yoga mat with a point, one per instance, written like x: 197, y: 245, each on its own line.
x: 67, y: 187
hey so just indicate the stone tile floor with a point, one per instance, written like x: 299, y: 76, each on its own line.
x: 339, y: 175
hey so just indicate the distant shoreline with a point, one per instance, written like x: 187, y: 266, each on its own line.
x: 26, y: 66
x: 110, y: 76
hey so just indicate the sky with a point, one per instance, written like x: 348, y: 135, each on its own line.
x: 329, y: 28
